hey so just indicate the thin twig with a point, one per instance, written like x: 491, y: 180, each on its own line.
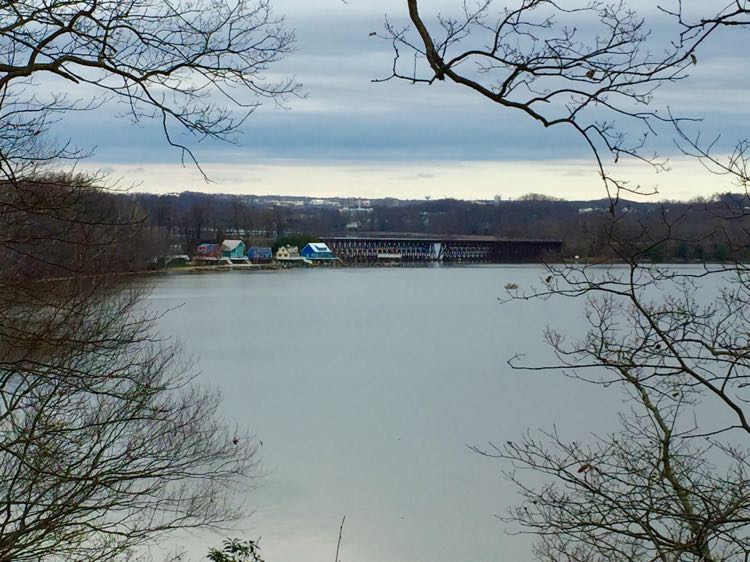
x: 338, y: 544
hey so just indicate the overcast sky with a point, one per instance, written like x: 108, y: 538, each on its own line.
x: 350, y: 136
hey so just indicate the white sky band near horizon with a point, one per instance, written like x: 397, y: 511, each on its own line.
x: 573, y: 180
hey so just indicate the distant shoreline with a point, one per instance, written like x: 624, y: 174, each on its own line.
x: 406, y: 265
x: 191, y: 269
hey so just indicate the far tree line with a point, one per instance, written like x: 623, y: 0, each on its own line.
x: 696, y: 230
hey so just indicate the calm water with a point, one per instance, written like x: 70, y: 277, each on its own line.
x: 366, y: 386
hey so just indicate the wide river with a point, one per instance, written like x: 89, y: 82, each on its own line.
x: 366, y: 387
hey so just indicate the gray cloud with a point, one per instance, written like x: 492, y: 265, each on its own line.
x: 346, y: 117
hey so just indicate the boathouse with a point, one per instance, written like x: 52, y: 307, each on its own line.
x: 258, y: 254
x: 287, y: 253
x: 208, y: 251
x: 233, y: 249
x: 318, y: 251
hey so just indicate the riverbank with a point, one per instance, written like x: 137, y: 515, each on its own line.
x: 198, y: 269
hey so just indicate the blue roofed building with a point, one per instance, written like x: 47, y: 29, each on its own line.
x: 318, y: 251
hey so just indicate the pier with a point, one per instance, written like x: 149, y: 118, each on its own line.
x: 450, y: 249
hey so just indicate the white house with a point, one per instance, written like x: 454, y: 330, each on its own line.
x: 288, y: 253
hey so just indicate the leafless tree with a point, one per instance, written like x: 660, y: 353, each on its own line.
x: 591, y: 66
x: 670, y: 485
x: 106, y: 442
x: 180, y: 63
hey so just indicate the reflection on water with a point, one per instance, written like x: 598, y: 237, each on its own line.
x: 365, y: 387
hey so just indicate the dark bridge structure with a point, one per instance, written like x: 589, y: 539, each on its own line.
x: 450, y: 249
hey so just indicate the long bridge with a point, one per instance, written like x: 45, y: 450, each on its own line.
x: 426, y: 248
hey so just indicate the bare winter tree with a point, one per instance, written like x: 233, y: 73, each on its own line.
x: 672, y: 484
x: 180, y: 63
x: 593, y: 67
x: 106, y: 442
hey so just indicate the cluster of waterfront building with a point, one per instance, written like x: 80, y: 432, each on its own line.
x: 333, y: 250
x: 235, y: 251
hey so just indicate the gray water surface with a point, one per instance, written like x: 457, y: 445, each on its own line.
x: 366, y: 387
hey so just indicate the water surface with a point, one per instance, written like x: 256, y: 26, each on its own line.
x: 366, y: 387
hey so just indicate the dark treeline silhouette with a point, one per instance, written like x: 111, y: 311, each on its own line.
x: 61, y: 226
x: 672, y: 230
x: 106, y: 440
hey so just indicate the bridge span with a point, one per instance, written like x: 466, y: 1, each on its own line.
x: 426, y: 248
